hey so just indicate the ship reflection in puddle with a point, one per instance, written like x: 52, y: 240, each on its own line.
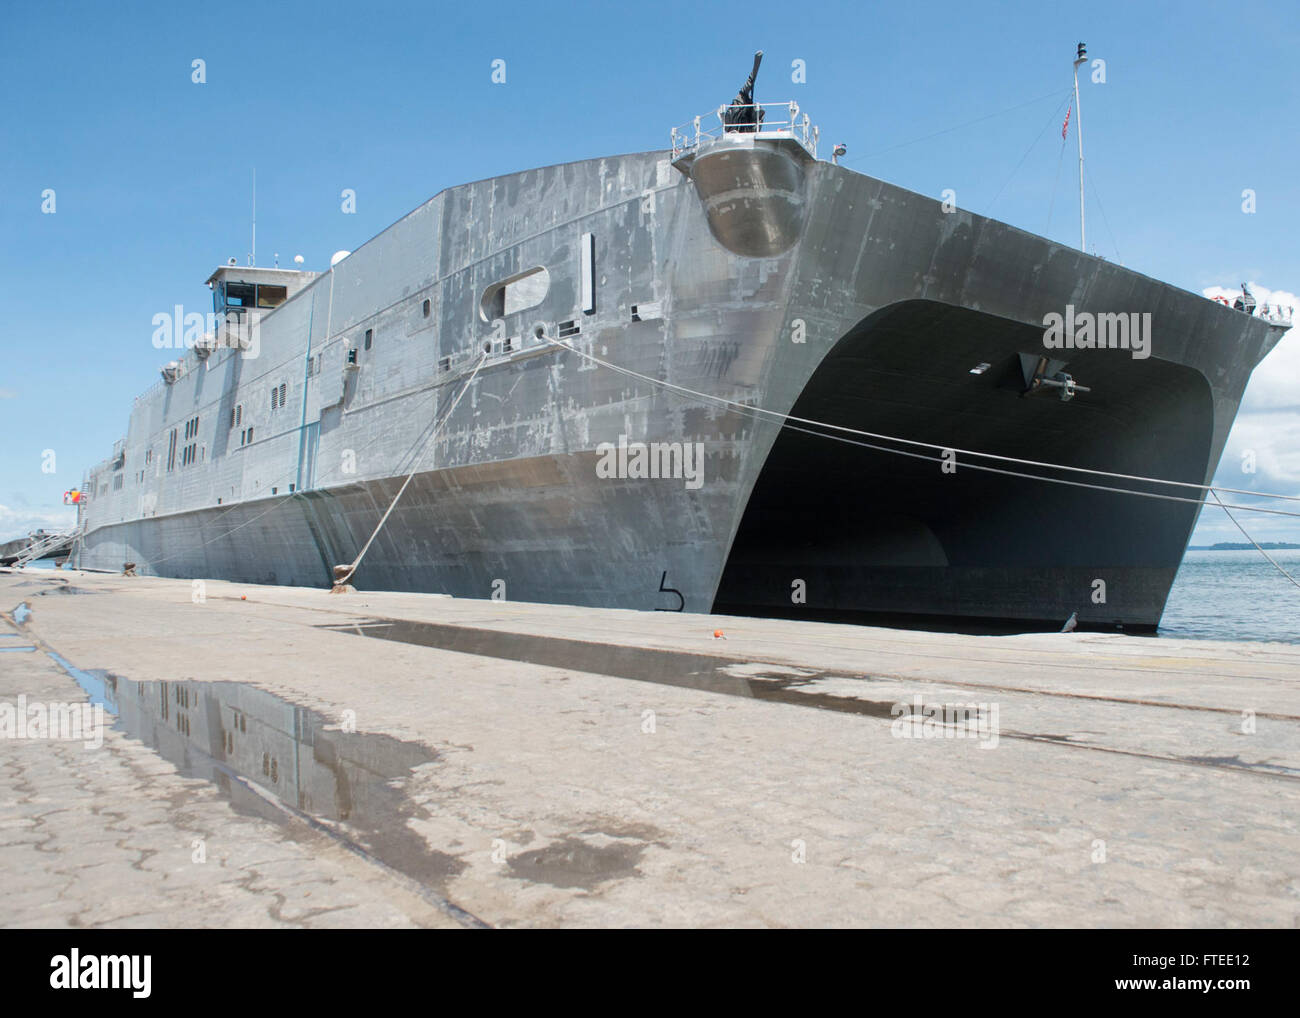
x: 731, y: 677
x: 255, y: 746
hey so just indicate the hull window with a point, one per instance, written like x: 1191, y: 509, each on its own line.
x: 518, y: 293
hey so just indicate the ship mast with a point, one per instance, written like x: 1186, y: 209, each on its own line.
x: 1080, y: 58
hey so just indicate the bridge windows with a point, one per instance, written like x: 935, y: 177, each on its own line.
x: 249, y: 295
x: 241, y: 295
x: 269, y: 296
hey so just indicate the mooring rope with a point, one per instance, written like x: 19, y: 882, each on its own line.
x: 342, y: 578
x: 754, y: 411
x: 234, y: 506
x: 1253, y: 541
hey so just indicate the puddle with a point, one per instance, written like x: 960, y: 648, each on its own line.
x: 53, y: 585
x: 572, y: 862
x: 733, y: 677
x: 236, y: 736
x: 22, y: 613
x: 14, y: 649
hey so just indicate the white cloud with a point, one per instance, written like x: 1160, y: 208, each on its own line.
x: 15, y: 523
x: 1267, y: 431
x: 1268, y: 441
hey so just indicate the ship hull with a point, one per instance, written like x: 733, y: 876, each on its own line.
x: 465, y: 532
x: 753, y: 278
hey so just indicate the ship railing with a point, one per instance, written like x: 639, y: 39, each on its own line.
x: 149, y: 391
x: 1276, y: 314
x: 767, y: 121
x: 41, y: 544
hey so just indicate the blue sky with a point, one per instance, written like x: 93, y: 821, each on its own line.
x: 152, y: 172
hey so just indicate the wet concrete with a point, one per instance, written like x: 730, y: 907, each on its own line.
x: 259, y: 749
x: 729, y: 676
x: 573, y: 862
x: 51, y: 585
x: 732, y: 677
x: 766, y: 681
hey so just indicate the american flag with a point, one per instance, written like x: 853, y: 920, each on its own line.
x: 1066, y: 126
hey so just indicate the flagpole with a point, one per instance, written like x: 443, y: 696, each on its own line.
x: 1078, y: 129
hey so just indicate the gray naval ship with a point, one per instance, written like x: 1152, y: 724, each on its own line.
x: 598, y: 378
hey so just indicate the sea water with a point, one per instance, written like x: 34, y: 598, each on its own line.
x: 1235, y: 595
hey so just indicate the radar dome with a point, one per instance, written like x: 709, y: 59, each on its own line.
x: 338, y: 257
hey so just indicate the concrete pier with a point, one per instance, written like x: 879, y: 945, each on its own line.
x: 421, y: 760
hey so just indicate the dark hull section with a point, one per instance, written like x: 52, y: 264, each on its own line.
x: 870, y: 531
x: 544, y: 529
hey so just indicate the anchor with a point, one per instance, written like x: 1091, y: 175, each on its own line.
x: 1045, y: 373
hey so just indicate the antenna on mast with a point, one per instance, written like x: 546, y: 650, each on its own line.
x: 1080, y: 58
x: 252, y: 258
